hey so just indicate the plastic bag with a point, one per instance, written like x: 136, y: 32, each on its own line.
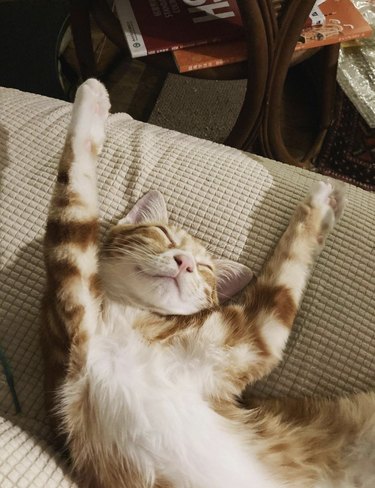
x: 356, y: 69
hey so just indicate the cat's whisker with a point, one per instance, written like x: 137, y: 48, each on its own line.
x: 127, y: 248
x: 135, y: 256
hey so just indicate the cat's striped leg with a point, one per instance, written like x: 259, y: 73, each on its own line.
x: 72, y: 297
x: 271, y: 304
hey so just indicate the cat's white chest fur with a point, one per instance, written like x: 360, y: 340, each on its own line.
x: 149, y: 403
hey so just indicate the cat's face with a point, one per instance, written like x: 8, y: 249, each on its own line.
x: 152, y: 265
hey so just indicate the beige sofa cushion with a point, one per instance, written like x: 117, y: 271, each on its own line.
x: 237, y: 203
x: 26, y: 460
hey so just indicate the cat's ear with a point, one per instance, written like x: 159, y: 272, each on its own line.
x: 150, y: 208
x: 231, y: 277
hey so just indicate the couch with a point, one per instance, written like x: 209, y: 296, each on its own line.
x: 236, y: 202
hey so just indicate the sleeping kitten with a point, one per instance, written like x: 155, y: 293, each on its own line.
x: 144, y: 362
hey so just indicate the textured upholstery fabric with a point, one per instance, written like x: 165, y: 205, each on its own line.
x: 237, y: 203
x: 26, y: 461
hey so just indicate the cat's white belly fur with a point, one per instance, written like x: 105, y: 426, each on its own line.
x: 151, y: 407
x: 150, y: 403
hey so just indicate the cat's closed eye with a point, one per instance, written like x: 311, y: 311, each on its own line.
x: 167, y: 234
x: 206, y: 266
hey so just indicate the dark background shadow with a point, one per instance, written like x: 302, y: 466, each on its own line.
x: 30, y: 35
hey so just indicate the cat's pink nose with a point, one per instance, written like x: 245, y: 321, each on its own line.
x: 184, y: 263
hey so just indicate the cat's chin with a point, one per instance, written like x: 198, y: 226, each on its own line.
x: 169, y: 297
x: 157, y: 309
x: 165, y: 280
x: 174, y: 307
x: 161, y: 307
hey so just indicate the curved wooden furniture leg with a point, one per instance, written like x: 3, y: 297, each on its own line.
x: 268, y: 41
x: 81, y: 31
x: 259, y: 49
x: 109, y: 24
x: 270, y: 55
x: 290, y: 26
x: 322, y: 80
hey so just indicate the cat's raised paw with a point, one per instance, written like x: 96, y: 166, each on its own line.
x: 99, y: 96
x: 320, y: 193
x: 90, y: 111
x: 328, y: 198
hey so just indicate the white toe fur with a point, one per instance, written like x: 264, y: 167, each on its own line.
x: 90, y: 111
x: 329, y: 198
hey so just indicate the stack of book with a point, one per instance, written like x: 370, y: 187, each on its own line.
x: 208, y: 33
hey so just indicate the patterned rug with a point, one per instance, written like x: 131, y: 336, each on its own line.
x: 348, y: 152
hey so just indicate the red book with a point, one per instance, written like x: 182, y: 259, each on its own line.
x: 343, y: 22
x: 210, y: 55
x: 154, y: 26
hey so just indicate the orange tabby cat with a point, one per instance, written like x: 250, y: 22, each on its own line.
x: 144, y: 363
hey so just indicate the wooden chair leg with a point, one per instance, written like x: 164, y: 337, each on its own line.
x: 244, y: 131
x: 81, y: 31
x: 291, y: 22
x: 271, y: 43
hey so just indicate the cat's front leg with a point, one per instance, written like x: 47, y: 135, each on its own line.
x: 271, y: 304
x: 71, y: 234
x: 313, y: 219
x: 72, y: 299
x: 70, y: 245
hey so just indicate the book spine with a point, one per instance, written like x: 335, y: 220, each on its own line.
x: 186, y: 45
x: 131, y: 29
x: 332, y: 40
x: 208, y: 64
x: 359, y: 35
x: 184, y: 68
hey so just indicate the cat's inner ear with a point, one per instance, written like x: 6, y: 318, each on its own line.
x: 231, y: 278
x: 150, y: 208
